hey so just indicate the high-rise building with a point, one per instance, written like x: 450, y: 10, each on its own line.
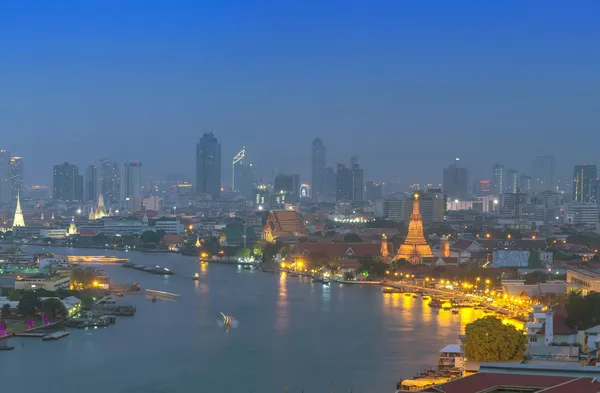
x: 330, y: 185
x: 498, y: 179
x: 349, y: 182
x: 247, y: 179
x: 374, y: 191
x: 318, y: 162
x: 132, y: 180
x: 109, y: 180
x: 484, y: 188
x: 208, y: 166
x: 544, y: 176
x: 90, y: 190
x: 525, y: 184
x: 67, y: 183
x: 5, y: 179
x: 455, y: 182
x: 16, y: 176
x: 288, y: 185
x: 512, y: 181
x: 582, y: 182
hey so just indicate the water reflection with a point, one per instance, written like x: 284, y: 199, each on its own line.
x: 282, y: 303
x: 326, y: 295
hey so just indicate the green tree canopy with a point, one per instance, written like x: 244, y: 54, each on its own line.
x: 244, y: 252
x: 536, y: 277
x: 5, y: 312
x: 489, y: 340
x: 583, y: 312
x: 373, y: 265
x: 54, y: 308
x: 29, y: 304
x: 151, y: 237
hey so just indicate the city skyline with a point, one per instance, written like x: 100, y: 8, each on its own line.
x: 394, y: 83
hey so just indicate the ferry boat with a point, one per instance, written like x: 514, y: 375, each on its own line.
x: 325, y: 281
x: 155, y: 293
x: 391, y: 290
x: 196, y: 276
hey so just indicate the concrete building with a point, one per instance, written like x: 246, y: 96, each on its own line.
x: 525, y: 184
x: 90, y: 189
x: 583, y: 176
x: 349, y: 181
x: 288, y: 185
x: 512, y: 181
x: 318, y: 162
x: 432, y: 206
x: 53, y: 233
x: 455, y: 182
x: 170, y: 226
x: 132, y: 180
x: 373, y: 191
x: 498, y: 175
x: 208, y: 166
x: 581, y: 213
x: 109, y: 180
x: 390, y: 208
x: 544, y: 174
x: 587, y: 280
x: 16, y: 176
x: 67, y: 183
x: 47, y: 283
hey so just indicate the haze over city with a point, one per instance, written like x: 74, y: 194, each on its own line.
x: 405, y: 86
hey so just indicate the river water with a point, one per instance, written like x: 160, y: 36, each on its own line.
x: 292, y: 334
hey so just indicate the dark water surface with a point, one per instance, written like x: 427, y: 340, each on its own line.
x: 292, y: 334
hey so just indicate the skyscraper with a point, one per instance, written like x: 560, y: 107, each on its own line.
x: 349, y: 181
x: 5, y: 183
x: 16, y: 176
x: 318, y: 162
x: 330, y: 183
x: 455, y: 182
x: 512, y: 181
x: 67, y: 183
x: 525, y: 183
x: 582, y: 182
x: 543, y: 173
x: 498, y: 179
x: 132, y: 180
x: 90, y: 192
x: 208, y: 166
x: 109, y: 180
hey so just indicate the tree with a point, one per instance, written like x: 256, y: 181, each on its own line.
x: 536, y: 277
x: 29, y: 304
x: 489, y: 340
x: 352, y: 238
x: 54, y: 308
x: 372, y: 265
x: 317, y: 259
x: 150, y: 237
x: 583, y: 312
x: 82, y: 278
x: 244, y: 253
x: 5, y: 312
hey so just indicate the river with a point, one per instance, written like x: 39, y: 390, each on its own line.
x: 292, y: 334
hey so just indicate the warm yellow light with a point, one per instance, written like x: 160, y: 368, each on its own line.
x: 95, y: 283
x: 426, y: 278
x: 478, y: 278
x: 387, y: 272
x: 508, y: 236
x: 395, y: 274
x: 488, y: 235
x: 191, y: 227
x: 533, y: 237
x: 299, y: 264
x: 487, y: 281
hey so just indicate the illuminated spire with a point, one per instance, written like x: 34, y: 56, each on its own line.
x: 198, y: 242
x: 384, y: 246
x: 415, y: 246
x: 100, y: 210
x: 72, y: 228
x: 18, y: 221
x: 91, y: 216
x: 42, y: 217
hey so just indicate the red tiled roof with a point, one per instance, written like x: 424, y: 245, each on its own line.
x: 87, y: 232
x: 286, y: 221
x: 559, y: 323
x: 579, y: 385
x: 339, y: 250
x: 483, y: 381
x: 523, y: 244
x: 575, y: 248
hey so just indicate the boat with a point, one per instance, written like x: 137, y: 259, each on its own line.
x: 391, y: 290
x: 6, y: 348
x: 415, y: 295
x: 196, y: 276
x: 317, y: 279
x: 247, y: 267
x: 436, y: 303
x: 325, y: 281
x: 155, y: 293
x: 455, y: 311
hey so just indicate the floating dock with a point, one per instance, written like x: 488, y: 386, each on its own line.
x: 55, y: 336
x: 155, y: 293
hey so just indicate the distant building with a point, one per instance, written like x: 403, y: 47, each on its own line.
x: 390, y: 208
x: 432, y: 206
x: 581, y: 213
x: 16, y: 176
x: 67, y: 183
x: 583, y: 176
x: 525, y: 184
x: 484, y: 188
x: 330, y: 186
x: 349, y: 182
x: 512, y: 181
x: 289, y: 185
x: 5, y: 178
x: 374, y: 191
x: 90, y: 191
x: 544, y: 176
x: 208, y: 166
x: 318, y: 162
x: 109, y: 181
x: 498, y: 179
x: 455, y: 182
x: 170, y: 226
x: 132, y: 180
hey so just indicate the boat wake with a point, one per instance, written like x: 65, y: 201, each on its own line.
x: 227, y: 321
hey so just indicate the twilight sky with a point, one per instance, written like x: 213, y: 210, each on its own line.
x: 406, y: 85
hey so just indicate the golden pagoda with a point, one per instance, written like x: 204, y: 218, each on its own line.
x: 415, y: 246
x: 18, y: 220
x: 72, y: 228
x: 384, y: 247
x: 100, y: 210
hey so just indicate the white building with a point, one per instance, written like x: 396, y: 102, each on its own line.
x: 47, y: 283
x: 54, y: 233
x: 577, y: 213
x: 170, y: 226
x: 586, y: 280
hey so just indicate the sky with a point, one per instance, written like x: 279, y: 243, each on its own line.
x: 405, y: 85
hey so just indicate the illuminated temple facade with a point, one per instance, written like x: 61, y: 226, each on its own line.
x: 415, y: 247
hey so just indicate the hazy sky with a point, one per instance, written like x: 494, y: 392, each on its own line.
x: 406, y: 85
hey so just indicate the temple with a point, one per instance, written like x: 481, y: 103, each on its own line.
x: 18, y: 220
x: 100, y: 210
x: 72, y: 228
x: 415, y: 246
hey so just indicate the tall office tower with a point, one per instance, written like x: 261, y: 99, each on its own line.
x: 543, y: 173
x: 67, y: 183
x: 208, y: 166
x: 330, y: 183
x: 288, y: 185
x: 132, y: 180
x: 512, y: 181
x: 5, y: 184
x: 582, y: 182
x: 109, y: 180
x: 373, y: 191
x: 90, y: 188
x: 318, y: 162
x: 484, y: 188
x: 525, y: 184
x: 349, y: 182
x: 247, y: 179
x: 16, y: 176
x: 455, y: 182
x: 498, y: 179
